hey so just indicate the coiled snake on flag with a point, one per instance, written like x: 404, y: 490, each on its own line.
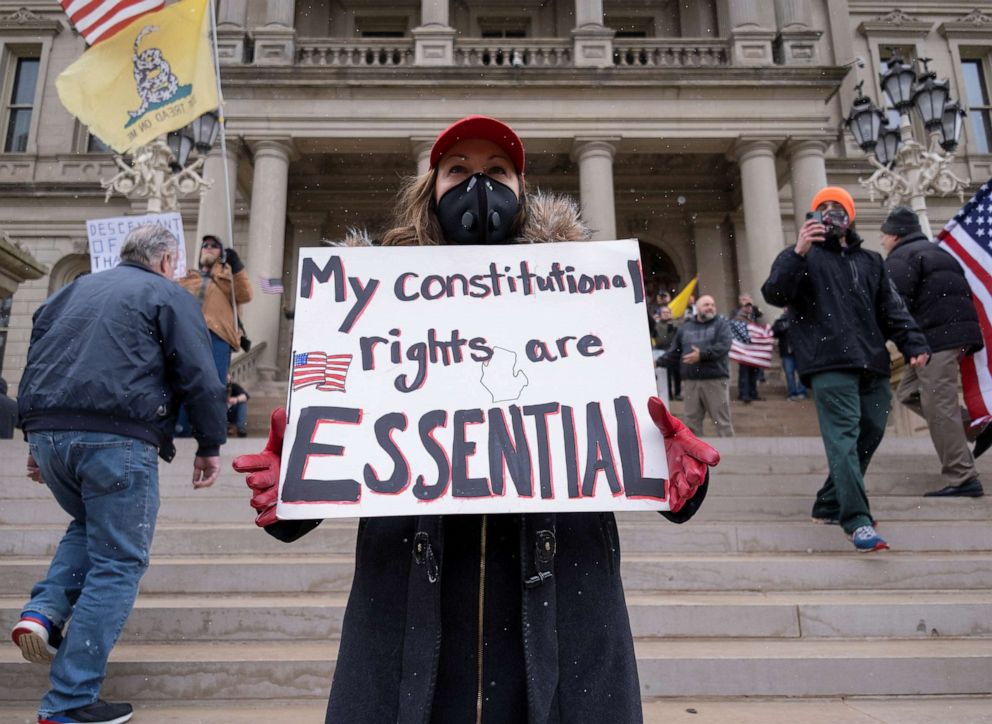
x: 152, y: 74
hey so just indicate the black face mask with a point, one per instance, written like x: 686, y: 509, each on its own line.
x: 479, y: 210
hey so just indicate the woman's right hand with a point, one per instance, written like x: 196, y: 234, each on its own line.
x: 263, y: 470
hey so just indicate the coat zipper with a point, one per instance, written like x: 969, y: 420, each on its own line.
x: 482, y: 598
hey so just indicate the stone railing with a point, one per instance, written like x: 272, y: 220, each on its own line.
x: 517, y: 53
x: 355, y: 52
x: 669, y: 52
x: 243, y: 367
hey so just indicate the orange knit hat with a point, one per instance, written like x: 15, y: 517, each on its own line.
x: 837, y: 194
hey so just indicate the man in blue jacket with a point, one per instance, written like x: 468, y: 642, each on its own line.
x: 843, y: 308
x: 111, y: 358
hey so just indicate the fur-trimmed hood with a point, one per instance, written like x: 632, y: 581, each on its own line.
x: 550, y: 217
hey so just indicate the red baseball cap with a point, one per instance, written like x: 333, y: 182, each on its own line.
x: 480, y: 127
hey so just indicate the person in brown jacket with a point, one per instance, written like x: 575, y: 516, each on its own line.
x: 211, y: 285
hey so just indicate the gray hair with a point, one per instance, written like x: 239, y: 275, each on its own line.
x: 147, y: 243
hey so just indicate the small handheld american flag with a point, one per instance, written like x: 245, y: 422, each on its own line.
x: 752, y: 344
x: 271, y: 285
x: 327, y: 371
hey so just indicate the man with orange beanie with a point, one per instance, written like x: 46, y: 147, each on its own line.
x: 843, y: 307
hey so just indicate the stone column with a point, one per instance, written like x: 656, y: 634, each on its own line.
x: 595, y: 159
x: 232, y: 16
x: 762, y: 214
x: 808, y: 174
x: 714, y: 258
x: 275, y: 39
x: 797, y: 39
x: 266, y: 240
x: 434, y: 38
x: 752, y: 30
x: 592, y: 43
x: 308, y: 230
x: 422, y: 152
x: 212, y: 215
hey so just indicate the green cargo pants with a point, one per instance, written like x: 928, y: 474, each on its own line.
x: 852, y: 407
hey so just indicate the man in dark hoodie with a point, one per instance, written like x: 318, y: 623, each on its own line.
x: 936, y: 293
x: 843, y: 308
x: 8, y: 413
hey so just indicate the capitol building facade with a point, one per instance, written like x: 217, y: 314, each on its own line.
x: 701, y: 127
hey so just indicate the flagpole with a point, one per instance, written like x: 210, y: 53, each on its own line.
x: 223, y: 149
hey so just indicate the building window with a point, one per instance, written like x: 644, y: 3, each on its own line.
x: 504, y: 27
x: 6, y: 304
x: 21, y: 104
x: 979, y: 110
x: 95, y: 145
x: 381, y: 27
x: 632, y: 27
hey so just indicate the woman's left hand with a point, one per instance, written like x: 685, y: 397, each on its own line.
x: 689, y: 458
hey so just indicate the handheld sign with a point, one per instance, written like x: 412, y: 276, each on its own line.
x: 106, y: 237
x: 469, y: 379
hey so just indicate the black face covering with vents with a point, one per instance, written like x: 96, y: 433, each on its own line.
x: 479, y: 210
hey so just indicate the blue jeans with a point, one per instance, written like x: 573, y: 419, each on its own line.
x: 238, y: 414
x: 109, y: 485
x: 222, y: 358
x: 796, y: 387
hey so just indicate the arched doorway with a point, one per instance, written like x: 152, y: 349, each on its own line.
x: 67, y: 270
x: 660, y: 274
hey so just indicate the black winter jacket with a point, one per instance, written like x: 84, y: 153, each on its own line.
x: 118, y: 352
x: 843, y: 307
x: 936, y: 293
x: 555, y: 638
x: 713, y: 338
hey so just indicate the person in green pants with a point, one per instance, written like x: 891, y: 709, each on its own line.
x: 844, y: 307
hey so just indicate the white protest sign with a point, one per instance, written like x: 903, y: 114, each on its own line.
x: 106, y: 237
x: 469, y: 379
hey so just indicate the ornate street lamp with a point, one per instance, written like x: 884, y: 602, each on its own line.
x: 905, y: 170
x: 865, y: 121
x: 161, y: 171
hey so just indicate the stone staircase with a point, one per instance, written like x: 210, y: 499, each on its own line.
x: 749, y: 605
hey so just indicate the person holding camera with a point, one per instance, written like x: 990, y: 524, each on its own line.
x: 219, y: 284
x: 843, y: 307
x: 211, y: 284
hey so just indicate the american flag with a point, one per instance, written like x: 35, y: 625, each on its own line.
x: 752, y: 343
x: 271, y: 285
x: 968, y: 238
x: 326, y: 371
x: 98, y: 20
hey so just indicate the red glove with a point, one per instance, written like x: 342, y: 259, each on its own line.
x: 688, y: 456
x: 264, y: 470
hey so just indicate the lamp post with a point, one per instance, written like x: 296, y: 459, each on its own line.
x: 907, y: 171
x: 161, y: 171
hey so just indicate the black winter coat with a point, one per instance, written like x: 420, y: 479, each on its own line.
x: 843, y: 307
x: 555, y: 638
x: 936, y: 292
x: 118, y: 352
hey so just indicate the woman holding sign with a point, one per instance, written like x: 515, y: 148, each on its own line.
x: 486, y: 618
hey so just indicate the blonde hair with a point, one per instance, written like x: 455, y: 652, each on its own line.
x: 415, y: 221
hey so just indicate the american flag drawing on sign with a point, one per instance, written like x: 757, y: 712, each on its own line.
x: 752, y: 343
x: 326, y: 371
x: 968, y: 238
x: 271, y: 285
x: 98, y: 21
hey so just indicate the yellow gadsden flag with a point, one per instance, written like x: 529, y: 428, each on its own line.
x: 681, y: 301
x: 154, y: 76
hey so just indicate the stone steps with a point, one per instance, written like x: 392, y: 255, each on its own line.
x: 673, y: 667
x: 672, y: 710
x: 748, y: 600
